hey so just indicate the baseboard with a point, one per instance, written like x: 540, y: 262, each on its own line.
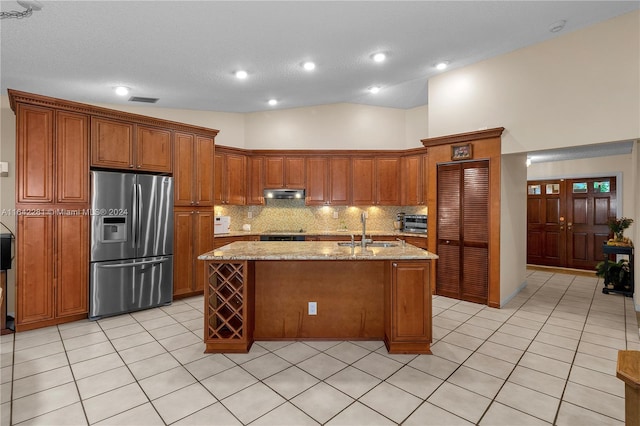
x: 557, y: 270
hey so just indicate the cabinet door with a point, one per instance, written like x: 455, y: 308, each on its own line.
x: 363, y: 186
x: 317, y: 181
x: 204, y: 171
x: 72, y: 158
x: 273, y: 172
x: 339, y: 181
x: 388, y: 181
x: 72, y: 265
x: 34, y: 279
x: 218, y: 179
x: 203, y: 242
x: 183, y: 157
x: 111, y: 144
x: 34, y: 154
x: 255, y: 171
x: 410, y: 302
x: 294, y: 172
x: 182, y: 252
x: 235, y: 179
x: 153, y: 149
x: 411, y: 182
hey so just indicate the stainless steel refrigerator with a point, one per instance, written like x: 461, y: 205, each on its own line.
x: 131, y: 242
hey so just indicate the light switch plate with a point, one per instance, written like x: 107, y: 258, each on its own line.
x: 4, y: 169
x: 313, y: 308
x: 335, y: 215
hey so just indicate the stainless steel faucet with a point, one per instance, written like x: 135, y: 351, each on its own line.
x: 364, y: 241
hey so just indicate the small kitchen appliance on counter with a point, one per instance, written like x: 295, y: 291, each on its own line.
x: 415, y: 223
x: 221, y: 225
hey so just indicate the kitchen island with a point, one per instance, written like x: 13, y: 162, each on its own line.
x: 268, y: 290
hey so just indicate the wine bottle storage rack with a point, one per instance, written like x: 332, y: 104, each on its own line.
x: 226, y: 301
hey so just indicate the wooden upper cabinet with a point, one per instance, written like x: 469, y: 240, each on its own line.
x: 339, y: 181
x: 255, y: 184
x: 34, y: 154
x: 114, y: 146
x: 387, y: 181
x: 193, y: 170
x: 153, y: 151
x: 317, y: 189
x: 111, y: 144
x: 235, y: 179
x: 414, y: 169
x: 363, y: 181
x: 184, y: 169
x: 72, y: 158
x: 229, y: 178
x: 284, y: 172
x: 203, y: 174
x: 294, y: 175
x: 273, y: 172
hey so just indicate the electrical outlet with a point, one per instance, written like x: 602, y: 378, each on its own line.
x: 249, y: 215
x: 335, y: 215
x: 313, y: 308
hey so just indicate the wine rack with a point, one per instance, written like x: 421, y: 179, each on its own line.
x: 228, y: 327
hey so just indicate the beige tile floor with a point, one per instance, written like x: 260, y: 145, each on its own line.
x: 548, y: 357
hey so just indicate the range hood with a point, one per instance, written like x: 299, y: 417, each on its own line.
x: 284, y: 194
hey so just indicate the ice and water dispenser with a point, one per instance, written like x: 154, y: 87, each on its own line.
x: 114, y: 229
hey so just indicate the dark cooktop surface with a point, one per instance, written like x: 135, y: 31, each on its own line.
x: 284, y: 231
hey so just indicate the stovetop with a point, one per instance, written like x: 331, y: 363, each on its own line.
x: 284, y: 231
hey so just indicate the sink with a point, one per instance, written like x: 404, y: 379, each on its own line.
x: 378, y: 244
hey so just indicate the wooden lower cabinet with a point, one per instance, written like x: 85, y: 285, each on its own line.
x: 408, y: 308
x: 52, y: 270
x: 193, y: 235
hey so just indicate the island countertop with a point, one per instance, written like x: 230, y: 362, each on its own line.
x: 313, y: 250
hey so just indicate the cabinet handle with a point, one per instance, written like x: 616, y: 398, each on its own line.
x: 395, y: 265
x: 131, y: 166
x: 139, y: 166
x: 192, y: 203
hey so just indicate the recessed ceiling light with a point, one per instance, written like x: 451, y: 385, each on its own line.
x: 309, y: 66
x: 379, y: 57
x: 241, y: 74
x: 273, y: 102
x: 442, y: 65
x: 122, y: 90
x: 374, y: 89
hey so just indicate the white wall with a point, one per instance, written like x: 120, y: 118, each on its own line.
x: 230, y: 124
x: 8, y: 185
x: 336, y: 126
x: 416, y: 126
x: 577, y: 89
x: 513, y: 225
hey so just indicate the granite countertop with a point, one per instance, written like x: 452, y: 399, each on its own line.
x: 345, y: 233
x: 313, y: 250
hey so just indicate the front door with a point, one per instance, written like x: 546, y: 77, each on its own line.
x: 567, y: 221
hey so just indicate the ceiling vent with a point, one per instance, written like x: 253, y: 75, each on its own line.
x: 142, y: 99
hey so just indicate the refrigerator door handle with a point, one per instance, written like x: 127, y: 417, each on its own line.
x: 138, y: 213
x: 134, y: 217
x: 131, y: 265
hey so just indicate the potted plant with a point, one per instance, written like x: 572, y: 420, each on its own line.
x: 617, y: 227
x: 615, y: 274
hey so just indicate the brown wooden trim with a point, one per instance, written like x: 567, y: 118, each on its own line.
x: 555, y: 270
x: 56, y: 321
x: 16, y: 97
x: 463, y: 137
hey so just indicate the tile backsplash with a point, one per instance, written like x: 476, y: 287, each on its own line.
x: 294, y: 215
